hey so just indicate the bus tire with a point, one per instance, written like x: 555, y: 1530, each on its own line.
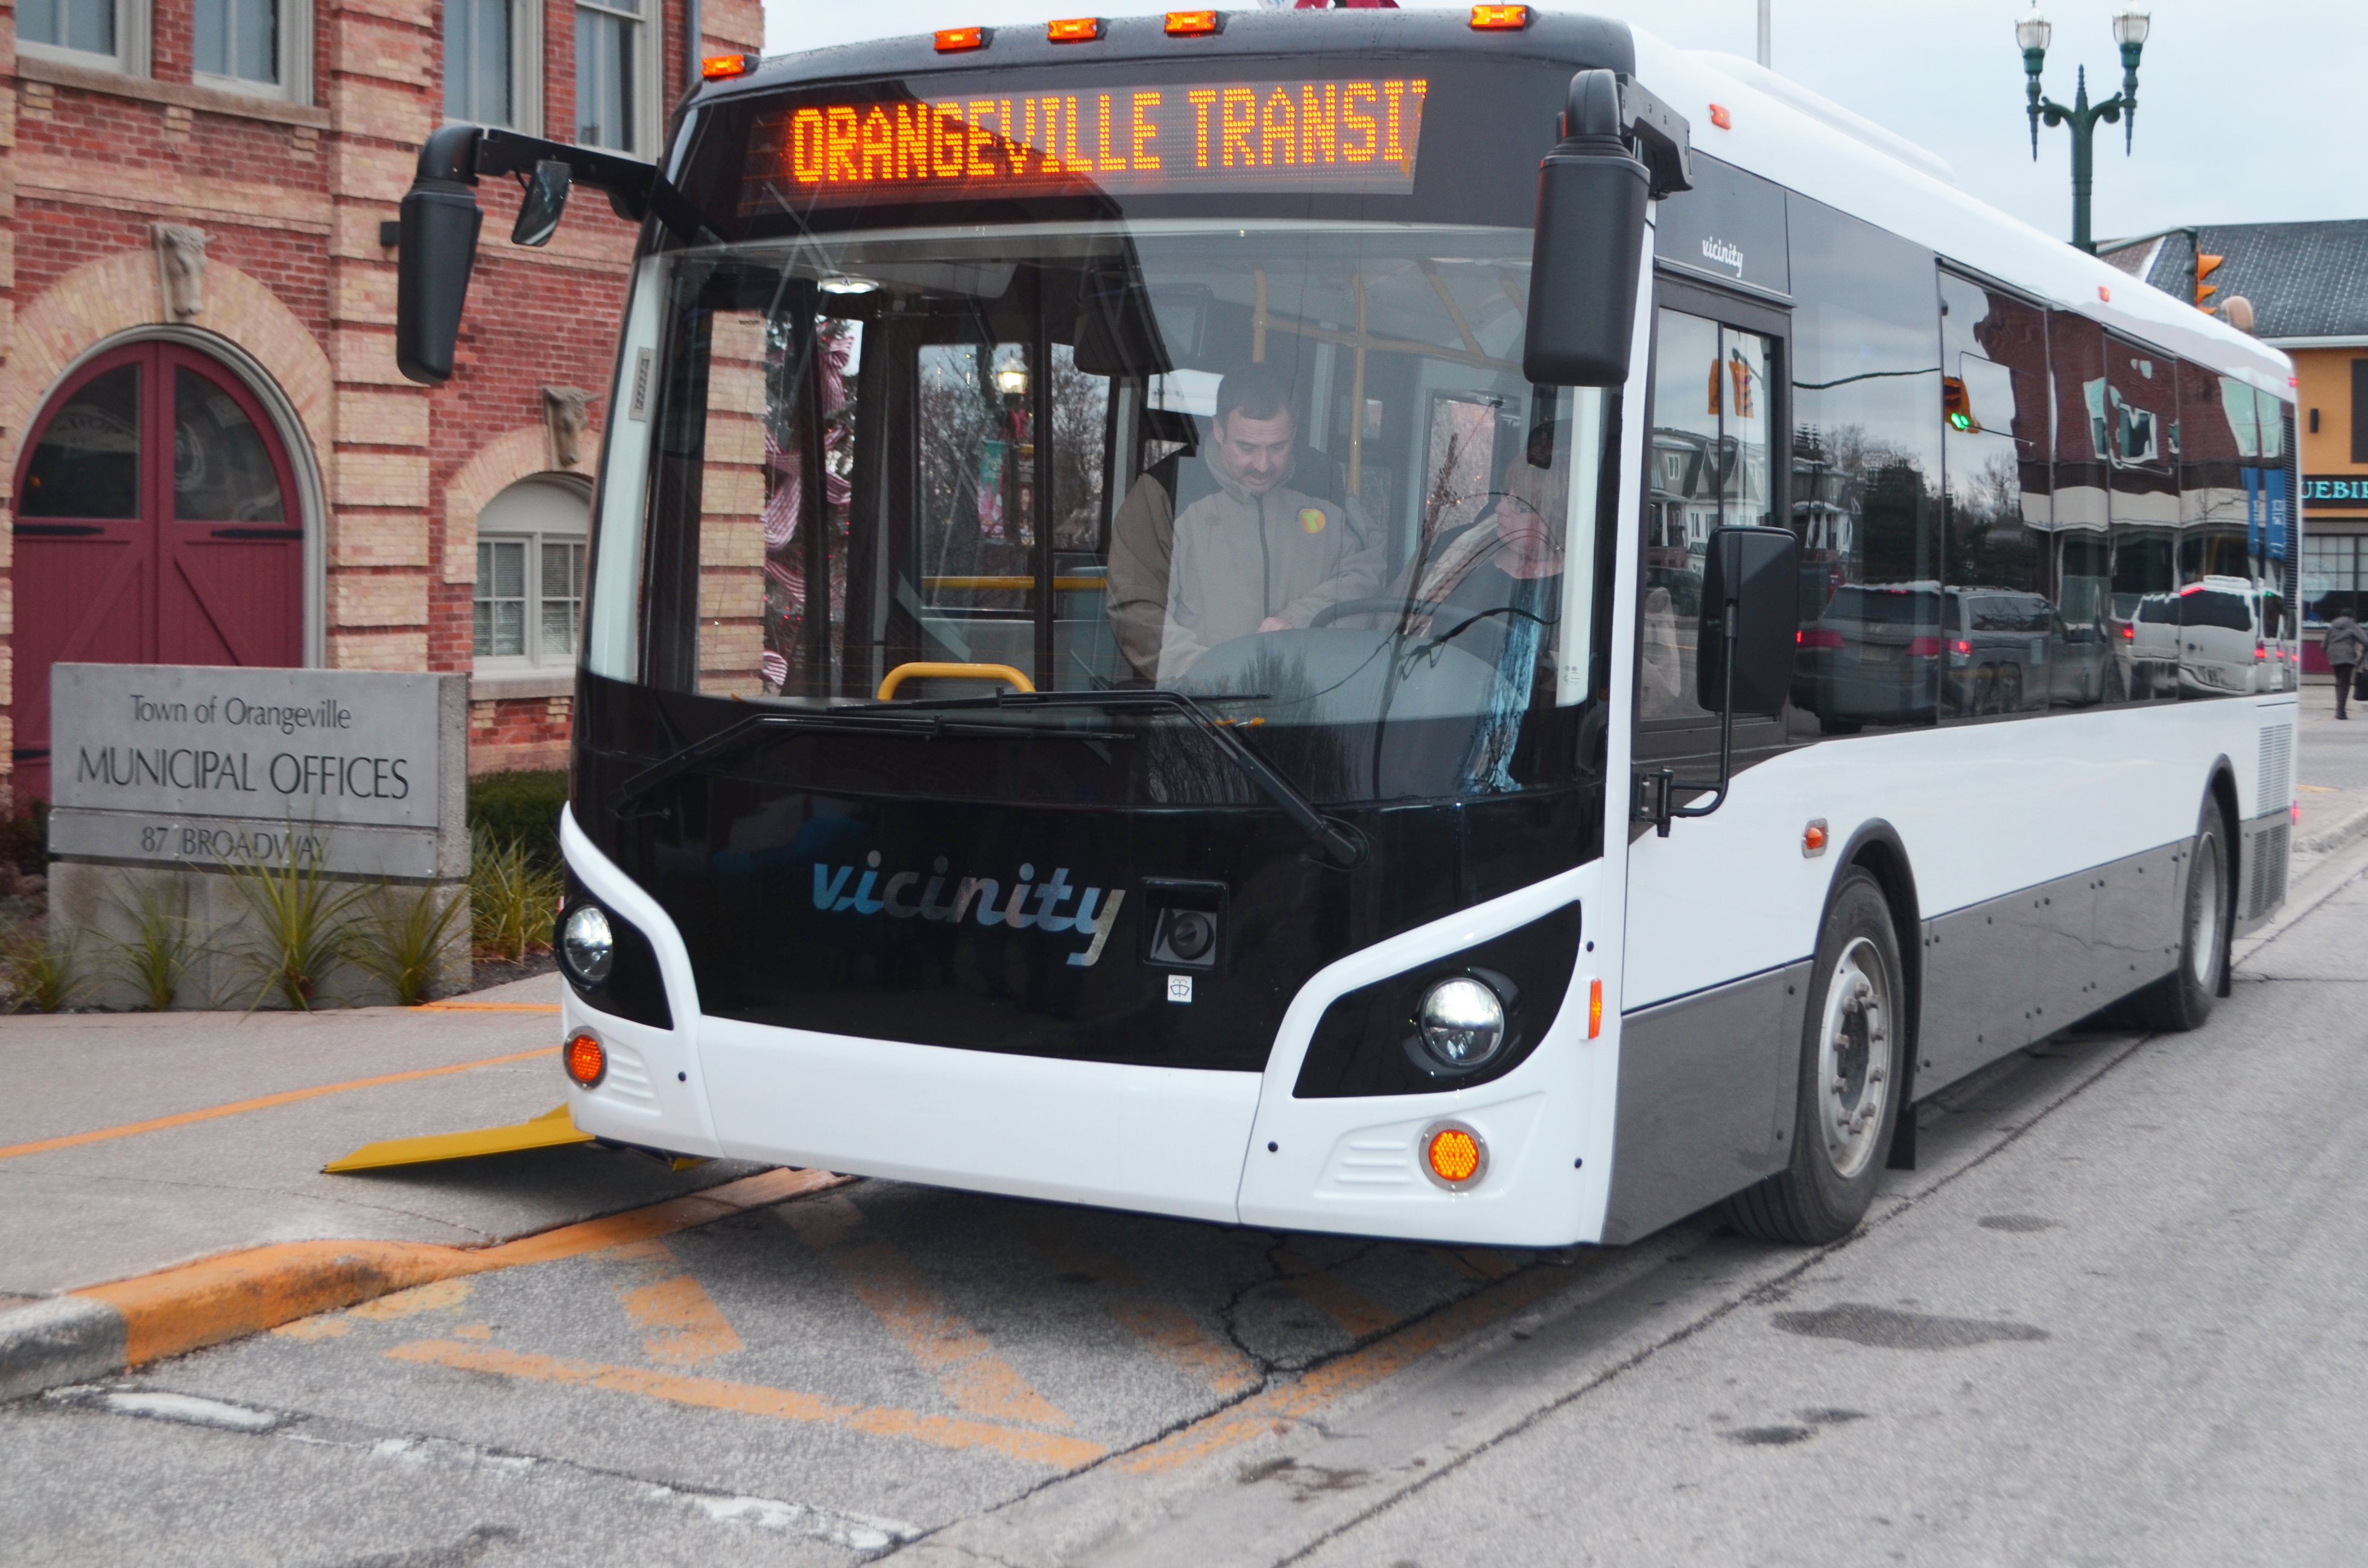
x: 2182, y: 999
x: 1853, y: 1056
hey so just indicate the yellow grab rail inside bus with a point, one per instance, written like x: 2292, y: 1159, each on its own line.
x: 924, y: 670
x: 1015, y: 584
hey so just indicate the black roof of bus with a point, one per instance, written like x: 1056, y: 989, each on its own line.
x: 1360, y: 34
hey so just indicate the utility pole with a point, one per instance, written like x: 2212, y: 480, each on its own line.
x: 1767, y: 39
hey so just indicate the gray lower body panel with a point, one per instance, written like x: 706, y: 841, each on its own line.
x: 2264, y: 848
x: 2000, y: 974
x: 1707, y: 1091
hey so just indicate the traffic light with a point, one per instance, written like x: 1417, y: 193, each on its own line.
x: 1957, y: 405
x: 2206, y: 265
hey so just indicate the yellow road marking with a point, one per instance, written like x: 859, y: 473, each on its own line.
x: 964, y: 1363
x: 487, y: 1007
x: 263, y: 1102
x: 754, y: 1399
x: 685, y: 1327
x: 1278, y: 1407
x: 1165, y: 1329
x: 178, y: 1310
x: 436, y: 1296
x: 1334, y: 1297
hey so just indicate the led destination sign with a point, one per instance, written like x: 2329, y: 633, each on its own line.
x: 1359, y: 136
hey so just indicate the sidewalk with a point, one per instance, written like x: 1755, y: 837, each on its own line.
x: 89, y: 1192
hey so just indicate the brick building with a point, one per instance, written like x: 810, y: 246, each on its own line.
x: 213, y: 458
x: 2306, y: 286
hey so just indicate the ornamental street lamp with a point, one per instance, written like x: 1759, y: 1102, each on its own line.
x: 2034, y: 33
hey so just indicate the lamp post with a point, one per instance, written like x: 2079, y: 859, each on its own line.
x: 2034, y: 33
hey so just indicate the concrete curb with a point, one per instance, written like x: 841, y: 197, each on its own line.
x: 105, y: 1329
x: 2328, y: 839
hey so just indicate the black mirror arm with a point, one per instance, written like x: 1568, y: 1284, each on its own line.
x: 1663, y: 785
x: 461, y: 155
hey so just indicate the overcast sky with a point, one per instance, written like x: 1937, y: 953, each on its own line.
x: 2248, y: 113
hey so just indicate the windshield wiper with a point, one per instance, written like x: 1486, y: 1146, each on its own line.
x: 762, y: 729
x: 1342, y: 843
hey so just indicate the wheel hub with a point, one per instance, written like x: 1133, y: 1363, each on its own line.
x: 1854, y: 1057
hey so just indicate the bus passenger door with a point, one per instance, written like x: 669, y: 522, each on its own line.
x: 1706, y: 1062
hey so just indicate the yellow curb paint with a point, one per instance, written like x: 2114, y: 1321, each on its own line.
x: 263, y: 1102
x: 184, y: 1309
x: 486, y: 1007
x: 1279, y: 1408
x: 755, y: 1399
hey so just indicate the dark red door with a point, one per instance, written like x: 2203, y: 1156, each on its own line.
x: 156, y: 523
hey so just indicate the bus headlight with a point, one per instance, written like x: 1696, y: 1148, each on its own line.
x: 588, y: 945
x: 1462, y: 1022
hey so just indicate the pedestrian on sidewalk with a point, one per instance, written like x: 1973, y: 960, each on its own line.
x: 2346, y: 645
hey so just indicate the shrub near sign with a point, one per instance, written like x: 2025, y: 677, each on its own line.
x: 205, y: 766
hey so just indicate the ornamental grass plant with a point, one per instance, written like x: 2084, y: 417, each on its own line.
x: 512, y: 897
x: 41, y: 976
x: 303, y: 917
x: 162, y: 944
x: 402, y: 936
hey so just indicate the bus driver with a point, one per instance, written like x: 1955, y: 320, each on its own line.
x: 1256, y: 555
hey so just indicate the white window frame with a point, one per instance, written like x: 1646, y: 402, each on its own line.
x: 134, y: 31
x: 649, y: 72
x: 295, y: 83
x: 526, y: 68
x: 533, y: 661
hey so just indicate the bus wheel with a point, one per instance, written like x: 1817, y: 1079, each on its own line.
x: 1853, y: 1048
x: 2182, y: 999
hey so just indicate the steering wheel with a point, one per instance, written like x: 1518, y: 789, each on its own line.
x: 1333, y: 612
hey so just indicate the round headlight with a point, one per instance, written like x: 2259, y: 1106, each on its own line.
x: 1462, y: 1022
x: 587, y: 944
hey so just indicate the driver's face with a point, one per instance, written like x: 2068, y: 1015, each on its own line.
x: 1256, y: 452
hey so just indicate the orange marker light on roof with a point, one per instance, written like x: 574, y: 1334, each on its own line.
x: 1493, y: 18
x: 1190, y: 24
x: 1075, y: 30
x: 1720, y: 118
x: 952, y: 40
x: 717, y: 66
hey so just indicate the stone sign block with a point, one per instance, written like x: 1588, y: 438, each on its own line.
x: 364, y: 770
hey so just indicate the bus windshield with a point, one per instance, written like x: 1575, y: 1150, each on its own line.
x: 1291, y: 471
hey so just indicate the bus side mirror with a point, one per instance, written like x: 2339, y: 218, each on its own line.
x: 1589, y: 247
x: 437, y: 250
x: 542, y: 204
x: 1751, y: 592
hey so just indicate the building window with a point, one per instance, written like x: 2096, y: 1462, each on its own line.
x: 608, y: 70
x: 2359, y: 411
x: 2331, y: 577
x: 110, y: 34
x: 477, y: 60
x: 529, y: 608
x: 255, y: 46
x: 87, y: 26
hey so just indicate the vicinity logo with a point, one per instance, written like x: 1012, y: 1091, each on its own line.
x: 1092, y: 917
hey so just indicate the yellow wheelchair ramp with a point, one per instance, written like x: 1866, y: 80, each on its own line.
x: 552, y: 1129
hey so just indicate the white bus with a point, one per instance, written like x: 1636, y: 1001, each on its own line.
x: 1468, y: 627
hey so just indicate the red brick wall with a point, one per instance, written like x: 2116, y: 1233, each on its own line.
x: 291, y: 197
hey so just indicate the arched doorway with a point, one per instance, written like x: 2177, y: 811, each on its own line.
x: 157, y: 522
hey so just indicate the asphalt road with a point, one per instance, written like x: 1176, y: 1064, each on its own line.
x: 2116, y: 1316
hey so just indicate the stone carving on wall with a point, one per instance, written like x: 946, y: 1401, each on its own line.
x: 180, y: 269
x: 566, y: 411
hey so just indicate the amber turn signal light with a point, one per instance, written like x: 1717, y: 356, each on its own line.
x: 587, y: 1064
x: 1075, y: 30
x: 1500, y: 19
x: 1594, y: 1009
x: 952, y: 40
x: 716, y: 66
x: 1454, y: 1154
x: 1190, y: 24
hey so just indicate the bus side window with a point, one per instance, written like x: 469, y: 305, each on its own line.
x: 1866, y: 473
x: 2001, y: 546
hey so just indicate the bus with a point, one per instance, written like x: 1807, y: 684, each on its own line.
x: 1464, y: 627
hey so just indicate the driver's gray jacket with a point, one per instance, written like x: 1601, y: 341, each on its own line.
x: 1240, y: 558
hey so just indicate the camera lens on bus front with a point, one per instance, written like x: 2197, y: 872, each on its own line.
x: 588, y: 945
x: 1191, y: 934
x: 1462, y: 1022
